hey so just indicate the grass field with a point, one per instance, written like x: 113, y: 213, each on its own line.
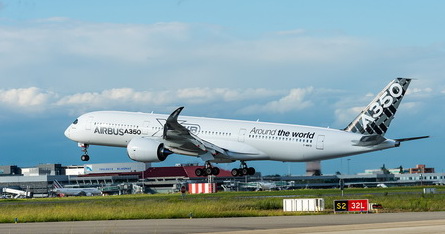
x: 224, y: 204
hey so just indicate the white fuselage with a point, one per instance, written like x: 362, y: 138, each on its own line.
x: 246, y: 140
x: 78, y: 191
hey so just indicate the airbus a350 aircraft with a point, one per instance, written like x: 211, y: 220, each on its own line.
x: 153, y: 137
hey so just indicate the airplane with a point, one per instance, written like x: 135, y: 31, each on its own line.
x: 61, y: 191
x: 151, y: 137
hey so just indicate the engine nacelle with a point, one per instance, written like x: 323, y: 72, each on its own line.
x: 147, y: 150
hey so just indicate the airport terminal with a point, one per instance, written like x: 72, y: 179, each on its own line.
x: 133, y: 178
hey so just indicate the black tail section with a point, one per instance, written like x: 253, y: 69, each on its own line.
x: 377, y: 116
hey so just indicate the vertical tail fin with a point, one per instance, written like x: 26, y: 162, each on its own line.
x: 376, y: 117
x: 56, y: 184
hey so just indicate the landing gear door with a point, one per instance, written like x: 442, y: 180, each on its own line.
x: 320, y: 142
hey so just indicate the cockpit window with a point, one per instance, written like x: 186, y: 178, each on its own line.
x: 76, y: 121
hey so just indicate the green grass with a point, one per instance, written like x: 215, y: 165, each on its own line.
x: 230, y: 204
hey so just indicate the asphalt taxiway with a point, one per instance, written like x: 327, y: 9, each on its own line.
x: 419, y: 222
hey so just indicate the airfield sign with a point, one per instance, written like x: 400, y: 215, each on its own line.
x: 351, y: 205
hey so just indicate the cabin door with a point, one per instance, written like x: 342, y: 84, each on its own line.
x: 320, y: 142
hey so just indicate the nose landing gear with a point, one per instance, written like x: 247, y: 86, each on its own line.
x: 85, y: 156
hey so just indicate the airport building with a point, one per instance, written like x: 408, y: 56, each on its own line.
x: 10, y: 170
x: 420, y: 168
x: 111, y: 178
x: 124, y: 178
x: 40, y: 179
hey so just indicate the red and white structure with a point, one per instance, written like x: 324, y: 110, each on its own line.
x: 202, y: 188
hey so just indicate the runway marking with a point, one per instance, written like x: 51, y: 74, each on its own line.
x: 407, y: 223
x: 415, y: 227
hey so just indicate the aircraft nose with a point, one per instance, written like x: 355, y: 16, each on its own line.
x: 68, y: 132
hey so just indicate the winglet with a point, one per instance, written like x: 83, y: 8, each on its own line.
x: 174, y: 116
x: 172, y: 122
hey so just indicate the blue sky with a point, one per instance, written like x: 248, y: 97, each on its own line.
x: 303, y: 62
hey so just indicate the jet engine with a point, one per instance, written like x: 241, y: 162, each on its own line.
x: 147, y: 150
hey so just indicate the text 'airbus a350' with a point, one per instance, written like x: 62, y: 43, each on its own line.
x: 152, y: 137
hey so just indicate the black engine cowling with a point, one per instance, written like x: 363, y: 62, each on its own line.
x: 147, y: 150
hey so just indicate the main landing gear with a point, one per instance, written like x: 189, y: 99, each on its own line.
x: 85, y: 156
x: 207, y: 170
x: 243, y: 170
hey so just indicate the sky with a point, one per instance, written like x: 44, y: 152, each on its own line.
x: 311, y: 62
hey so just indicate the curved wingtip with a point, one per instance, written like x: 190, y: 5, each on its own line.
x: 174, y: 115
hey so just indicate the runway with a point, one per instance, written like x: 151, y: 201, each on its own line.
x: 419, y: 222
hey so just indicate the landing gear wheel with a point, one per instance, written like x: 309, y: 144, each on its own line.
x: 208, y: 171
x: 215, y: 171
x: 199, y: 172
x: 251, y: 171
x: 243, y: 170
x: 85, y: 157
x: 234, y: 172
x: 84, y: 147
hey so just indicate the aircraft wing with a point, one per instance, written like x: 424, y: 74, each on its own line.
x: 180, y: 140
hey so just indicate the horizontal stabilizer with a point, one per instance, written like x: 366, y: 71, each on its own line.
x: 411, y: 138
x: 371, y: 140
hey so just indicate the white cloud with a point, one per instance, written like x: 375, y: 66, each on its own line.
x: 37, y: 100
x: 344, y: 116
x: 411, y: 106
x: 420, y: 92
x: 26, y: 99
x: 72, y: 55
x: 115, y: 98
x: 415, y: 101
x: 295, y: 100
x: 174, y: 63
x: 130, y: 97
x: 206, y: 95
